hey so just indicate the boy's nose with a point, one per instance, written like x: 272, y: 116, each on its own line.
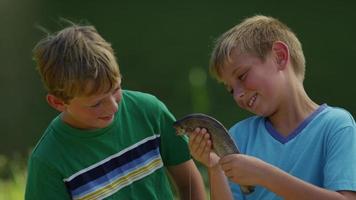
x: 113, y: 105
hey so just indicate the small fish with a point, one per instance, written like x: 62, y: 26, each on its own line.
x: 222, y: 142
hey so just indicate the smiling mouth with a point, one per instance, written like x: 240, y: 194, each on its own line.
x: 108, y: 118
x: 252, y: 100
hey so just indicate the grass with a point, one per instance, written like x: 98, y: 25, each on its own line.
x: 12, y: 179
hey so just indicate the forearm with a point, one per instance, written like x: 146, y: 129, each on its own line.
x: 195, y: 190
x: 192, y: 193
x: 289, y: 187
x: 188, y: 181
x: 219, y: 187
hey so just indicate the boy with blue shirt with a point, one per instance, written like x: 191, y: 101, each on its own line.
x: 293, y: 148
x: 107, y: 142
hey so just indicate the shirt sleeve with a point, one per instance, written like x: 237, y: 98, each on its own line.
x: 44, y: 182
x: 174, y: 149
x: 340, y: 166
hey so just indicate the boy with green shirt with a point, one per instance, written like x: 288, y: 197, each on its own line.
x: 106, y: 143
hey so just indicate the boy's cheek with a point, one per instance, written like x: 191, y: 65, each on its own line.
x: 240, y: 103
x: 118, y: 97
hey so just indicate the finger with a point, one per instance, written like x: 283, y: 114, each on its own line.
x: 227, y: 159
x: 205, y: 134
x: 194, y: 136
x: 229, y: 174
x: 205, y: 145
x: 196, y: 141
x: 192, y: 143
x: 225, y: 167
x: 206, y: 142
x: 190, y: 134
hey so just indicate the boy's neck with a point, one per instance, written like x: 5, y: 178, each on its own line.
x: 295, y: 109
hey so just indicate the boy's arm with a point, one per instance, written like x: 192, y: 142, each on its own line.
x: 219, y: 187
x: 248, y: 170
x: 176, y: 157
x: 44, y: 183
x: 290, y: 187
x: 188, y: 180
x: 201, y: 149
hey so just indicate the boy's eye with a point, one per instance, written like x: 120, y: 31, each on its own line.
x: 229, y: 89
x: 242, y: 76
x: 95, y: 105
x: 117, y: 90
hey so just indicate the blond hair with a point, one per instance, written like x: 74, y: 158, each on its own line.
x: 256, y: 35
x: 76, y: 61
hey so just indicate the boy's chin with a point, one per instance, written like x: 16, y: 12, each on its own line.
x: 100, y: 124
x: 259, y: 113
x: 105, y: 123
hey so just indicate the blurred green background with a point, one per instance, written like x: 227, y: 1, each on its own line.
x: 163, y: 48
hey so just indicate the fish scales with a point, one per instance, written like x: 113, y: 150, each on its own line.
x: 222, y: 142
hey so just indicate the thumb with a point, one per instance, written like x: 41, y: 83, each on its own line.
x: 226, y: 159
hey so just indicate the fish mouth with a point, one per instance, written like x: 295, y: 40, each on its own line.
x: 180, y: 131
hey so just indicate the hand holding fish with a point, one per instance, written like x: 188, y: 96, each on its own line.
x: 209, y: 134
x: 243, y: 169
x: 200, y: 147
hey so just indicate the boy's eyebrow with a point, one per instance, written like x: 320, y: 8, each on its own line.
x: 236, y: 70
x: 117, y: 86
x: 98, y: 99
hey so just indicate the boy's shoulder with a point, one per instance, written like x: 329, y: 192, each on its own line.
x: 252, y: 121
x: 337, y: 111
x: 329, y: 114
x: 47, y: 144
x: 132, y: 95
x: 248, y: 125
x: 337, y: 115
x: 141, y: 99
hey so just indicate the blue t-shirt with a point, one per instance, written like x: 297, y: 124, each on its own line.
x: 321, y: 151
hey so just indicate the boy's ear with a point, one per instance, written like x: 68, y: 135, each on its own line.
x: 56, y: 102
x: 281, y: 53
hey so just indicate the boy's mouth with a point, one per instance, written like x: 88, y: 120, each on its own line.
x: 252, y: 100
x: 107, y: 118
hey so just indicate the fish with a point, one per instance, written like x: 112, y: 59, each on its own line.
x: 223, y: 144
